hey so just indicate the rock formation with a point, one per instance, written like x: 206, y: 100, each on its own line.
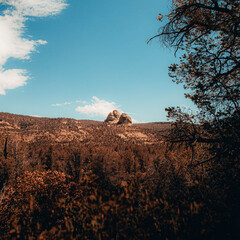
x: 125, y: 119
x: 113, y: 117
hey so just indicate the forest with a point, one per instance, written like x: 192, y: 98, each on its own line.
x: 69, y: 179
x: 109, y: 187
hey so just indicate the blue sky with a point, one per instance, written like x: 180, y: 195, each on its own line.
x: 84, y: 58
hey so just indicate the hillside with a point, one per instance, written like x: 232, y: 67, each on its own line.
x: 30, y: 143
x: 80, y: 179
x: 64, y: 130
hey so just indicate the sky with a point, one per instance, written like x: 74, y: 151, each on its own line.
x: 84, y: 58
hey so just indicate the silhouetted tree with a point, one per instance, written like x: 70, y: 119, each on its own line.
x: 5, y: 152
x: 208, y: 34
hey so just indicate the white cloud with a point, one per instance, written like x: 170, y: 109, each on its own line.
x: 11, y: 79
x: 98, y: 107
x: 37, y: 8
x: 12, y: 42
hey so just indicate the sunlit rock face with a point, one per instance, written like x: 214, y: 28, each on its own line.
x: 116, y: 118
x: 125, y: 119
x: 113, y: 117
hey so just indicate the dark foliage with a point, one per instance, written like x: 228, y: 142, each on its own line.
x: 208, y: 34
x: 108, y: 187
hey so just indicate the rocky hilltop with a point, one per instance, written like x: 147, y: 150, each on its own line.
x: 115, y: 117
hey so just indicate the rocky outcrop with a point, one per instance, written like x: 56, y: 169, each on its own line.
x: 125, y: 119
x: 113, y: 117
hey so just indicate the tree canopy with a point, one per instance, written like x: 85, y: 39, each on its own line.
x: 207, y: 34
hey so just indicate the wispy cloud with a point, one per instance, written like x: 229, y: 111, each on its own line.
x: 12, y: 42
x: 97, y: 107
x: 80, y: 101
x: 61, y: 104
x: 57, y: 105
x: 68, y: 103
